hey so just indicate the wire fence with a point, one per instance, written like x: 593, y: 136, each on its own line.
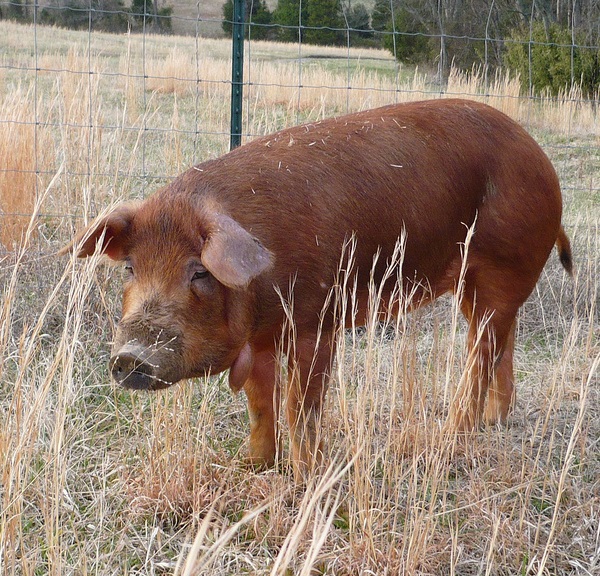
x: 102, y: 101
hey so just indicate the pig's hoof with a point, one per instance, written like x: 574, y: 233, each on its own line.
x: 262, y: 450
x: 497, y: 412
x: 259, y: 462
x: 462, y: 422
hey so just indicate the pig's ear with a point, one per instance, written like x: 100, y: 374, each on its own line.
x: 109, y: 231
x: 232, y: 255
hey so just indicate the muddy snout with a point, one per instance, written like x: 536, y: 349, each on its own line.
x: 137, y: 367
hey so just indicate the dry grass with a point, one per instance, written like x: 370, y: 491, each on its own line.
x: 21, y: 152
x: 98, y: 480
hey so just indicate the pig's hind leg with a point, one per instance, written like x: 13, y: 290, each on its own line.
x: 501, y: 394
x: 490, y: 303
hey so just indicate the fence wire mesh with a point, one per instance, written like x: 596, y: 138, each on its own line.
x: 120, y: 98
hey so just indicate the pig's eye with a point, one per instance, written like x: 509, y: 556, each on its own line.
x: 200, y: 274
x: 128, y: 268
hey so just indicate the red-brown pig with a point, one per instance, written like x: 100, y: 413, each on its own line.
x: 209, y: 255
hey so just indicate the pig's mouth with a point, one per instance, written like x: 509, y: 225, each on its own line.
x: 137, y: 367
x: 140, y: 366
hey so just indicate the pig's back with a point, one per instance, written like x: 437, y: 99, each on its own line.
x: 429, y: 168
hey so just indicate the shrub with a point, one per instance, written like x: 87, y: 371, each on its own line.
x: 549, y: 58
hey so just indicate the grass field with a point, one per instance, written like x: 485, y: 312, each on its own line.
x: 98, y: 480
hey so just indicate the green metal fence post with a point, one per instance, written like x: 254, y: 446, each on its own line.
x: 237, y: 73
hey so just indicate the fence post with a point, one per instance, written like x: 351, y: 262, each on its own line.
x: 237, y: 73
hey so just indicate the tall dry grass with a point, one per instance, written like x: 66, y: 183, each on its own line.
x: 22, y: 154
x: 99, y: 480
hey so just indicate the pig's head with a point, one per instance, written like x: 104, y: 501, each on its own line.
x: 188, y: 302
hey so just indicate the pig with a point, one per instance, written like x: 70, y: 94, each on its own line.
x: 211, y: 257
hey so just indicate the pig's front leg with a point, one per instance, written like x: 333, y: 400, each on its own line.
x: 308, y: 373
x: 263, y: 405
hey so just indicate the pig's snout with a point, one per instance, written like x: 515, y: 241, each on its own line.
x: 132, y: 367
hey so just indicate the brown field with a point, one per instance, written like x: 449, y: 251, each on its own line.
x: 98, y: 480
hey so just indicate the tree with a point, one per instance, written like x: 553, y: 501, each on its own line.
x: 324, y: 22
x: 146, y: 13
x: 312, y: 21
x: 359, y: 22
x: 107, y: 15
x: 451, y: 32
x: 14, y: 10
x: 257, y: 19
x: 381, y: 15
x: 290, y: 15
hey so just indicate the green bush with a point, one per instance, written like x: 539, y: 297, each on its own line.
x: 546, y: 58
